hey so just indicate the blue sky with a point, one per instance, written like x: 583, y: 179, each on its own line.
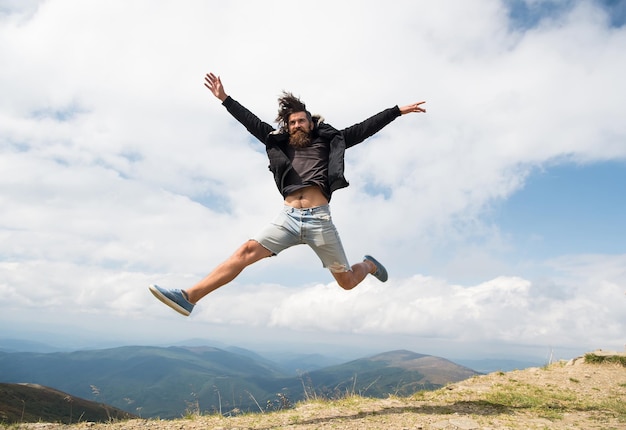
x: 525, y: 14
x: 498, y: 212
x: 568, y: 209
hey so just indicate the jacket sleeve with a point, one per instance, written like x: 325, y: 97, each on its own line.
x: 359, y: 132
x: 253, y: 124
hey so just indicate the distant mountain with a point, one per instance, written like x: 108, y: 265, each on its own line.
x: 397, y: 373
x: 169, y: 382
x: 149, y: 381
x: 18, y: 345
x: 298, y: 363
x: 35, y: 403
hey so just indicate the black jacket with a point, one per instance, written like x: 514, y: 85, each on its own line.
x: 276, y: 141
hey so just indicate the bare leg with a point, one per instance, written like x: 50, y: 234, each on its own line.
x: 247, y: 254
x: 350, y: 279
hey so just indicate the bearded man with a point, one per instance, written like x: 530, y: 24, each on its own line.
x: 306, y: 157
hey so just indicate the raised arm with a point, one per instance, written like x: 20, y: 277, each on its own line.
x: 214, y: 84
x: 359, y: 132
x: 253, y: 124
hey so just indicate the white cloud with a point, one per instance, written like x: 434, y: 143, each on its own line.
x: 118, y: 168
x: 509, y: 310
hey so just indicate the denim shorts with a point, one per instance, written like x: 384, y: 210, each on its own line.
x: 310, y: 226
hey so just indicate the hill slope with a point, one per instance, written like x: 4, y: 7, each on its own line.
x: 578, y: 394
x: 32, y: 403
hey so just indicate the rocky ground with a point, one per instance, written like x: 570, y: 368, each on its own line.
x: 565, y: 395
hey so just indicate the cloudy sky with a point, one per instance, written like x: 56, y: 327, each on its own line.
x: 499, y: 213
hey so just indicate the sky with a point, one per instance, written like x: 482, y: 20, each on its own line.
x: 499, y: 213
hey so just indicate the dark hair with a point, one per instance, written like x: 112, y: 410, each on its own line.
x: 288, y: 104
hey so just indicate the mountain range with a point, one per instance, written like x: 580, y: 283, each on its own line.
x: 169, y: 382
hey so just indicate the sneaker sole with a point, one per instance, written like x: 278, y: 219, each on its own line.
x: 156, y: 293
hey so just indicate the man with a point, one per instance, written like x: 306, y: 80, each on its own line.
x: 306, y: 156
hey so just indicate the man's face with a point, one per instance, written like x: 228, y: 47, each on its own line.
x: 299, y: 120
x: 299, y: 129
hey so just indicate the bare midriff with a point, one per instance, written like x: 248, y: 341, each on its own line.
x: 308, y: 197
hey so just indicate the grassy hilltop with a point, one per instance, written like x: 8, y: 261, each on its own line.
x: 585, y: 393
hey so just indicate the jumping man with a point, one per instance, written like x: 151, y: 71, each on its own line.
x: 306, y: 157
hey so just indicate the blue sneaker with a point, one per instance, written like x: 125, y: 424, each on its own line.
x: 175, y: 299
x: 381, y: 272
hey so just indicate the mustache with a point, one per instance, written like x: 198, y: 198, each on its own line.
x: 299, y: 130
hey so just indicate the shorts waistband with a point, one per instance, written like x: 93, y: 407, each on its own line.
x: 307, y: 211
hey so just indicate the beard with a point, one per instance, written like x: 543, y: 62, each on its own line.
x: 300, y: 139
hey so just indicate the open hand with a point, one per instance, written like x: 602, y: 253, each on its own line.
x: 214, y: 84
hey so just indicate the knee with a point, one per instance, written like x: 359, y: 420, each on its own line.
x: 251, y: 250
x: 246, y: 249
x: 345, y: 281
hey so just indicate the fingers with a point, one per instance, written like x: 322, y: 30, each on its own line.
x: 415, y: 107
x: 210, y: 80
